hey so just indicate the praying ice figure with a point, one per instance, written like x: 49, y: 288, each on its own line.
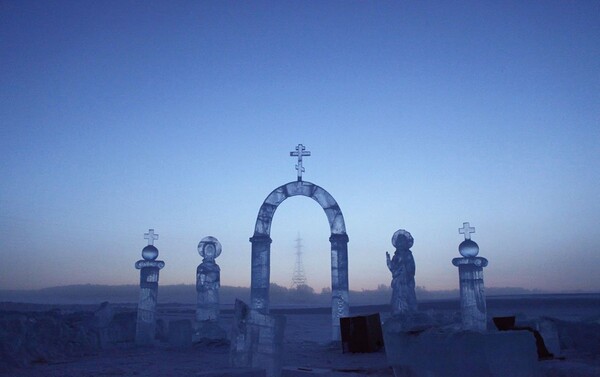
x: 208, y: 280
x: 402, y: 266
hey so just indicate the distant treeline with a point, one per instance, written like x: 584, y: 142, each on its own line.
x: 186, y: 294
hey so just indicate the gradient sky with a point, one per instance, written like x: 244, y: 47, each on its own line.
x: 119, y: 116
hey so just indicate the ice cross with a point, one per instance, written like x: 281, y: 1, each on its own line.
x: 150, y: 236
x: 300, y: 151
x: 466, y: 230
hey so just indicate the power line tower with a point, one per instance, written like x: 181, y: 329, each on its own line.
x: 298, y: 278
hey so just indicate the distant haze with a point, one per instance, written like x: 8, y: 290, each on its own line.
x: 186, y: 294
x: 180, y: 117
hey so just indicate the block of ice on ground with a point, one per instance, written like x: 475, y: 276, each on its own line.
x: 180, y: 333
x: 235, y: 372
x: 579, y: 336
x: 256, y: 340
x: 102, y: 319
x: 319, y: 372
x: 546, y: 333
x: 549, y: 332
x: 210, y: 330
x: 438, y: 353
x: 304, y: 372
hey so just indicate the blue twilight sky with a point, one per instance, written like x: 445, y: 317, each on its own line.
x: 119, y: 116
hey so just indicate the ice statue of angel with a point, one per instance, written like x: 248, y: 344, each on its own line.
x: 402, y: 266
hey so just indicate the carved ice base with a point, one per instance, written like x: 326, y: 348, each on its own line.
x: 472, y: 293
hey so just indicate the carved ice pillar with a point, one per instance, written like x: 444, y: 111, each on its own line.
x: 261, y: 261
x: 472, y: 292
x: 339, y: 282
x: 208, y: 280
x: 472, y: 295
x: 149, y: 269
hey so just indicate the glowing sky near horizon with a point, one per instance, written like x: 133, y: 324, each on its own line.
x: 117, y: 117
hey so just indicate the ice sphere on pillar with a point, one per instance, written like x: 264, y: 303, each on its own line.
x: 150, y: 252
x: 468, y: 249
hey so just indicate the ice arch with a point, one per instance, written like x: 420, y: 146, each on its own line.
x: 261, y: 249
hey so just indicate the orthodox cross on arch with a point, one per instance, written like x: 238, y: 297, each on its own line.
x: 150, y: 236
x: 466, y: 230
x: 300, y: 152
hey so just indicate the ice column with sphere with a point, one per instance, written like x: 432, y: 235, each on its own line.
x: 470, y: 272
x: 149, y: 268
x: 208, y: 280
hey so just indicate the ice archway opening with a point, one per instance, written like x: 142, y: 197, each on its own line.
x: 261, y: 249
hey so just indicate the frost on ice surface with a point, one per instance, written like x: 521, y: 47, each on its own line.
x: 335, y: 219
x: 340, y: 307
x: 260, y: 272
x: 336, y: 222
x: 277, y: 196
x: 323, y: 198
x: 310, y: 190
x: 299, y: 188
x: 460, y: 353
x: 264, y: 218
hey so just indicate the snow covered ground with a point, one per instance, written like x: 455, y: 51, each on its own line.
x: 307, y: 343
